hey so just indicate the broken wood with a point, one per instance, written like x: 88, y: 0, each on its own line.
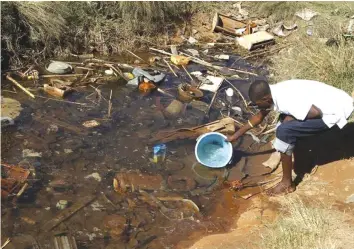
x: 67, y: 213
x: 52, y: 120
x: 5, y: 243
x: 19, y: 86
x: 110, y: 105
x: 65, y: 101
x: 169, y: 66
x: 130, y: 52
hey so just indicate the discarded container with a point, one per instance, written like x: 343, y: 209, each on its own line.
x: 225, y: 24
x: 159, y: 153
x: 256, y: 40
x: 59, y: 67
x: 212, y: 150
x: 186, y: 93
x: 56, y: 92
x: 229, y: 95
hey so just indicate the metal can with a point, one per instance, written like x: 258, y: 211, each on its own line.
x: 159, y: 153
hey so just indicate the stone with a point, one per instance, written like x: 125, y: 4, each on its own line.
x: 115, y: 224
x: 350, y: 199
x: 95, y: 176
x: 52, y: 129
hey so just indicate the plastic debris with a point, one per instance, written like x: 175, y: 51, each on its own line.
x: 179, y: 60
x: 192, y: 40
x: 62, y: 204
x: 306, y: 14
x: 108, y: 72
x: 91, y: 123
x: 31, y: 153
x: 283, y: 30
x: 159, y: 153
x: 193, y: 52
x: 212, y: 84
x: 222, y: 57
x: 59, y: 67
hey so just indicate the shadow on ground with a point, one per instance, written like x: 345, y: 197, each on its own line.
x: 332, y: 145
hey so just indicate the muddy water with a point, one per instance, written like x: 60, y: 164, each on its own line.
x: 119, y: 144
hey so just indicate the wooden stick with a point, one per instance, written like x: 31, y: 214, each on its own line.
x: 61, y: 75
x: 269, y: 131
x: 169, y: 66
x: 165, y: 93
x: 5, y: 243
x: 213, y: 99
x: 22, y: 190
x: 19, y: 86
x: 187, y: 72
x: 65, y: 101
x: 134, y: 55
x: 110, y: 105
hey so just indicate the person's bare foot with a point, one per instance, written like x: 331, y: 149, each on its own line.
x: 281, y: 189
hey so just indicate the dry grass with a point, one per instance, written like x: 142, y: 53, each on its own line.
x: 307, y: 226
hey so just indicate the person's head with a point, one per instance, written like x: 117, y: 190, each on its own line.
x: 260, y: 94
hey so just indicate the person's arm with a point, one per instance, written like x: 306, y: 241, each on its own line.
x: 254, y: 120
x: 314, y: 113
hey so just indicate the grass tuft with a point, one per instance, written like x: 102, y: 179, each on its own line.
x: 305, y: 226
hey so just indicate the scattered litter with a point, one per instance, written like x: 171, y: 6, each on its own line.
x: 159, y: 153
x: 179, y: 60
x: 47, y: 208
x: 28, y: 220
x: 226, y: 24
x: 237, y: 110
x: 187, y: 93
x: 55, y: 91
x: 53, y: 128
x: 62, y: 204
x: 91, y: 123
x: 64, y: 241
x: 212, y: 84
x: 95, y: 176
x: 222, y: 57
x: 68, y: 151
x: 283, y: 30
x: 109, y: 72
x: 350, y: 199
x: 256, y: 40
x: 192, y: 40
x: 306, y: 14
x: 174, y: 49
x: 30, y: 153
x: 193, y: 52
x: 206, y: 51
x: 58, y: 67
x: 96, y: 206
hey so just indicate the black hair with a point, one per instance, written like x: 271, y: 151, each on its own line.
x: 258, y: 90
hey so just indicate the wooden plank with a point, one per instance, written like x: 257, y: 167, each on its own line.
x: 67, y: 213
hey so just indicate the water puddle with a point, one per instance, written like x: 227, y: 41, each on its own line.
x: 165, y: 205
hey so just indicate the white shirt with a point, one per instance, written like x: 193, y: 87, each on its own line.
x: 295, y: 97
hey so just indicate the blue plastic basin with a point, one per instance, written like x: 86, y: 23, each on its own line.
x: 204, y: 154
